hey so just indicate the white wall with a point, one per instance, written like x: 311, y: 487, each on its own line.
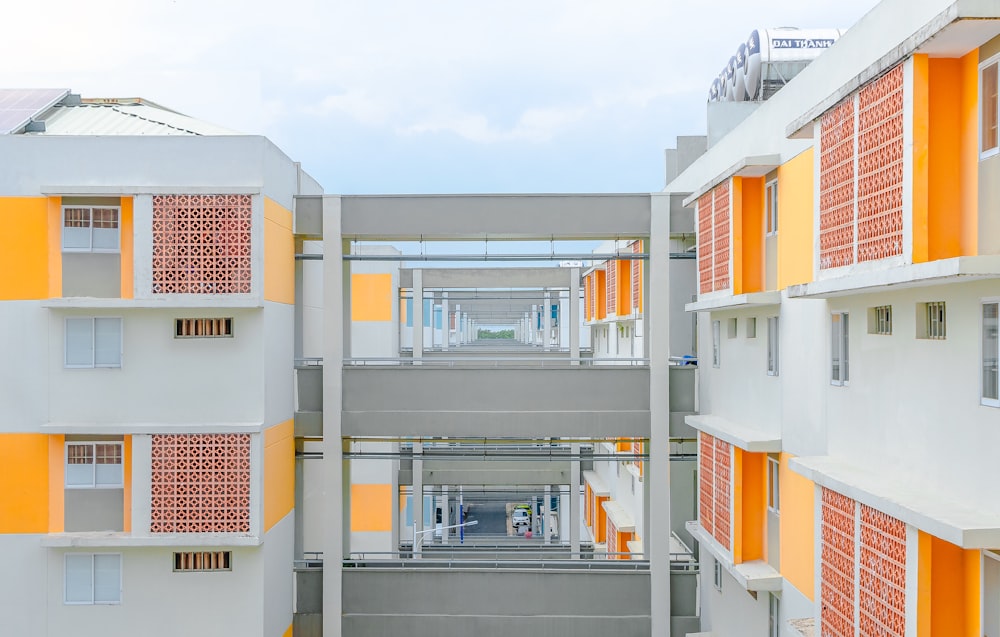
x: 22, y: 585
x: 24, y: 376
x: 278, y: 345
x: 731, y: 612
x: 278, y: 592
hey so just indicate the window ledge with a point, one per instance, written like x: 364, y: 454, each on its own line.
x: 746, y: 438
x: 933, y: 513
x: 597, y: 485
x: 622, y: 519
x: 940, y: 272
x: 117, y: 539
x: 126, y: 428
x: 735, y: 301
x: 757, y: 575
x: 165, y: 302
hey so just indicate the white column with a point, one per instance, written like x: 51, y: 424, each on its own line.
x: 546, y: 531
x: 574, y: 314
x: 333, y: 355
x: 417, y: 496
x: 445, y: 322
x: 547, y: 320
x: 445, y: 518
x: 574, y: 501
x: 418, y: 315
x: 459, y: 332
x: 657, y: 476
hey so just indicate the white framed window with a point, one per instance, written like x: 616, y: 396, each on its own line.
x: 989, y: 108
x: 771, y: 203
x: 92, y: 578
x: 752, y: 327
x: 990, y: 394
x: 932, y: 321
x: 839, y: 348
x: 772, y: 346
x: 91, y: 229
x: 94, y: 465
x: 93, y: 342
x: 773, y: 615
x: 732, y: 328
x: 717, y: 576
x: 716, y: 343
x: 880, y: 320
x: 773, y: 484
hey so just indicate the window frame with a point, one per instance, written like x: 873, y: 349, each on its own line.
x: 93, y: 342
x: 716, y: 344
x: 840, y: 330
x: 993, y: 61
x: 771, y: 208
x: 93, y: 583
x: 717, y: 576
x: 773, y: 349
x: 93, y: 483
x: 983, y: 400
x: 773, y: 485
x: 90, y: 220
x: 773, y: 615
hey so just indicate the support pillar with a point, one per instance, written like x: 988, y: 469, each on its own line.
x: 445, y: 322
x: 418, y: 316
x: 547, y: 320
x: 574, y: 315
x: 574, y: 500
x: 417, y: 497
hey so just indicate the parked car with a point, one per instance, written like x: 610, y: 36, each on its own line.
x: 520, y: 516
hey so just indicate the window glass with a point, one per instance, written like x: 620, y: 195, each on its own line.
x: 107, y: 342
x: 988, y: 127
x: 79, y: 342
x: 107, y: 579
x: 79, y: 579
x: 991, y: 352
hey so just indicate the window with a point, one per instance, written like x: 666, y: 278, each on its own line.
x: 752, y: 327
x: 773, y: 614
x: 204, y: 561
x: 771, y: 197
x: 717, y: 575
x: 772, y: 346
x: 93, y: 578
x: 991, y: 354
x: 773, y: 484
x: 732, y: 328
x: 988, y: 108
x: 880, y: 320
x: 93, y: 342
x: 203, y: 328
x: 839, y: 349
x: 93, y: 465
x: 716, y: 342
x: 931, y: 320
x: 90, y: 229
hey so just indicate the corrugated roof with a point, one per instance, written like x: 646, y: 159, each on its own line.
x: 123, y: 117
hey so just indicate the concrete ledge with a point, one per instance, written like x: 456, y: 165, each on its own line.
x: 167, y: 302
x: 735, y: 302
x: 709, y: 543
x: 746, y: 438
x: 757, y: 575
x: 755, y: 166
x: 596, y: 484
x: 123, y: 428
x: 623, y: 519
x: 933, y: 513
x: 941, y: 272
x: 112, y: 539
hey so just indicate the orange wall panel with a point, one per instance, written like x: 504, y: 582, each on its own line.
x: 371, y: 297
x: 795, y: 207
x: 371, y: 507
x: 736, y: 243
x: 279, y: 253
x: 57, y: 483
x: 127, y: 248
x: 24, y: 248
x: 754, y: 503
x: 948, y: 598
x: 55, y: 247
x: 752, y: 234
x: 798, y: 526
x: 24, y: 483
x: 279, y: 472
x: 600, y: 293
x: 969, y: 155
x: 127, y: 472
x: 921, y: 136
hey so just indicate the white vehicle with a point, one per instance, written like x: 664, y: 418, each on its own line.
x: 520, y: 517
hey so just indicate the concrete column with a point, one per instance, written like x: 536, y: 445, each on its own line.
x: 346, y: 275
x: 545, y: 515
x: 445, y: 322
x: 142, y: 483
x: 299, y: 290
x: 657, y: 476
x: 394, y: 447
x: 445, y: 518
x: 299, y: 505
x: 458, y: 324
x: 574, y: 314
x: 333, y: 355
x: 547, y: 320
x: 417, y: 496
x: 418, y: 315
x: 574, y: 500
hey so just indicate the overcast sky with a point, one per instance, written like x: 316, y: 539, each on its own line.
x: 395, y: 96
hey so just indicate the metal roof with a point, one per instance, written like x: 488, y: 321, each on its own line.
x: 18, y: 106
x: 122, y: 117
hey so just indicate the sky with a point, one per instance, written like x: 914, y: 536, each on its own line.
x: 396, y: 96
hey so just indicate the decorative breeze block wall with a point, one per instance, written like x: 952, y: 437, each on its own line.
x: 837, y: 547
x: 201, y: 244
x: 721, y: 236
x: 714, y: 239
x: 636, y: 266
x: 714, y: 487
x: 861, y: 175
x: 705, y: 243
x: 200, y: 483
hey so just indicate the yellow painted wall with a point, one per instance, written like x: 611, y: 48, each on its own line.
x: 972, y: 570
x: 754, y: 503
x: 624, y: 287
x: 371, y: 507
x: 57, y: 486
x: 601, y: 294
x: 371, y: 297
x: 969, y: 154
x: 279, y: 472
x: 922, y: 131
x: 127, y: 248
x: 948, y: 598
x: 24, y: 483
x: 736, y: 241
x: 586, y: 298
x: 795, y: 207
x: 288, y: 631
x: 127, y: 471
x: 55, y: 247
x: 279, y: 253
x: 798, y: 498
x: 24, y: 248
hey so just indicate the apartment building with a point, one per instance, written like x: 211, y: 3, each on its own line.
x: 147, y: 400
x: 848, y: 285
